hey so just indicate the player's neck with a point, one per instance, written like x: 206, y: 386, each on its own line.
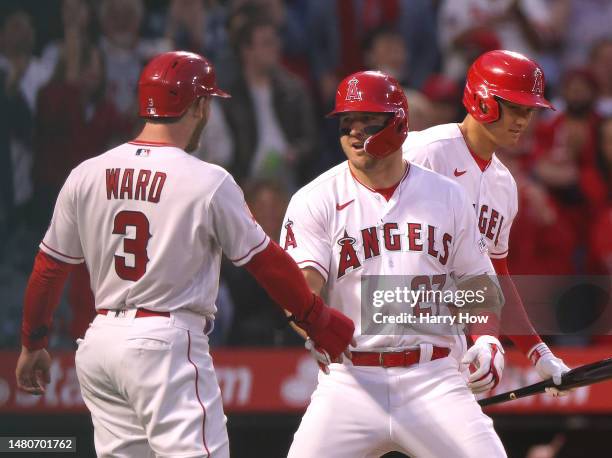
x: 385, y: 172
x: 476, y: 139
x: 163, y: 133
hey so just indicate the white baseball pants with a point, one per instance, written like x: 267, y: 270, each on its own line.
x: 151, y: 388
x: 425, y: 410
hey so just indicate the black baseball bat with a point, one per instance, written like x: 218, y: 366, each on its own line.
x: 588, y: 374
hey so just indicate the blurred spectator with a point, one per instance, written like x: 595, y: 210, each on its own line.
x: 600, y: 241
x: 420, y: 111
x: 255, y: 322
x: 444, y: 95
x: 216, y: 142
x: 385, y: 50
x: 604, y: 155
x: 532, y: 248
x: 290, y: 19
x: 567, y: 142
x: 270, y: 114
x: 125, y: 52
x: 467, y: 28
x: 418, y: 24
x: 588, y: 22
x: 21, y: 74
x: 337, y: 27
x: 86, y: 124
x: 601, y: 65
x: 17, y: 58
x: 197, y: 26
x: 77, y: 29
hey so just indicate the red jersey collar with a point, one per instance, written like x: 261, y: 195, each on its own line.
x: 385, y: 192
x: 150, y: 143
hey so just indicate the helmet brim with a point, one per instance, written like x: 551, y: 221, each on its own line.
x: 524, y: 98
x: 220, y: 93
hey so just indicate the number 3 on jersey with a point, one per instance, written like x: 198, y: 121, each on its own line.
x: 136, y: 246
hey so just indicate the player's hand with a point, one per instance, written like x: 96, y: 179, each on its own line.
x: 487, y: 357
x: 330, y: 329
x: 322, y: 357
x: 33, y: 370
x: 549, y: 366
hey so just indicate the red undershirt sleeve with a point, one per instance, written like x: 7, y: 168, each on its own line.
x: 514, y: 311
x: 282, y: 279
x: 42, y: 296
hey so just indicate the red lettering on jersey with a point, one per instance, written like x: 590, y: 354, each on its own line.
x: 499, y: 228
x: 289, y: 237
x: 492, y: 223
x: 112, y: 183
x: 392, y: 242
x: 157, y: 185
x: 126, y: 184
x: 482, y: 221
x: 141, y: 185
x: 488, y: 223
x: 348, y: 256
x: 431, y: 240
x: 369, y: 237
x: 446, y: 241
x: 414, y: 235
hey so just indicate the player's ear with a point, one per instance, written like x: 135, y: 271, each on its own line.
x: 198, y: 107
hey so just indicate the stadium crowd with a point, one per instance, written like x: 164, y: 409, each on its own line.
x: 68, y: 74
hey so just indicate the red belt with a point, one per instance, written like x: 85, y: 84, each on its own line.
x: 395, y: 358
x: 140, y: 313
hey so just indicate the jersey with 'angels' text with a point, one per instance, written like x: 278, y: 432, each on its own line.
x: 346, y: 231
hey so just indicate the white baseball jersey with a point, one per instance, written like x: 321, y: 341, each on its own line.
x: 492, y: 191
x: 345, y: 230
x: 151, y: 222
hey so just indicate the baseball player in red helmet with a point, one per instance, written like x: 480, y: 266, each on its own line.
x: 151, y: 222
x: 503, y: 91
x: 378, y: 215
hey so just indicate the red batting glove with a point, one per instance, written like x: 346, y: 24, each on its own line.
x: 330, y: 329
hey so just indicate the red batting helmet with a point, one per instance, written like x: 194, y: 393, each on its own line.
x: 507, y: 75
x: 378, y: 93
x: 171, y: 81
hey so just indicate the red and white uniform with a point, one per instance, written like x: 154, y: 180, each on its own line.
x: 345, y: 230
x: 152, y: 221
x: 489, y: 185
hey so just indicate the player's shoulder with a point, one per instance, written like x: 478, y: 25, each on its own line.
x: 441, y: 135
x: 433, y: 181
x: 325, y: 184
x: 502, y: 175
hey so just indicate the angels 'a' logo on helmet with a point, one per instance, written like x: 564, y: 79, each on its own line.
x: 538, y: 81
x: 352, y: 93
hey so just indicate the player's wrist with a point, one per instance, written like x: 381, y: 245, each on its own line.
x: 35, y: 340
x: 538, y: 351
